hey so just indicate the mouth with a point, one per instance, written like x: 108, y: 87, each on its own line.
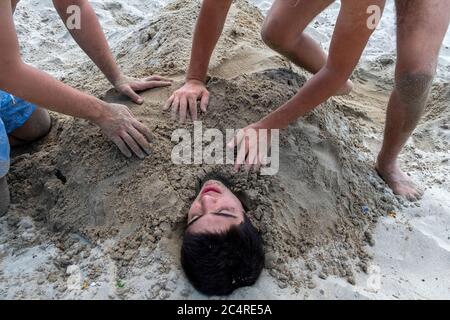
x: 210, y: 188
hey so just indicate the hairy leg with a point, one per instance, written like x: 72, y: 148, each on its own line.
x: 35, y: 128
x: 421, y: 27
x: 283, y: 31
x: 4, y: 196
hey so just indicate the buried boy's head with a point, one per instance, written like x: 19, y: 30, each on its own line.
x: 222, y: 250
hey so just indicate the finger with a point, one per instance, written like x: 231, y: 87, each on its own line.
x: 145, y: 85
x: 183, y: 109
x: 133, y: 146
x: 236, y: 139
x: 263, y: 150
x: 175, y: 106
x: 132, y: 95
x: 144, y: 130
x: 122, y: 146
x: 157, y: 78
x: 240, y: 159
x: 204, y: 101
x: 252, y: 157
x: 193, y: 108
x: 168, y: 103
x: 257, y: 163
x: 140, y: 139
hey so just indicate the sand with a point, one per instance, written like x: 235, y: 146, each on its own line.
x: 87, y: 223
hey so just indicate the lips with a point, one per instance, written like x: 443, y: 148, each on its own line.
x: 211, y: 189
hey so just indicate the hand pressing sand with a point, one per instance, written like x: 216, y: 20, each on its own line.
x: 129, y: 86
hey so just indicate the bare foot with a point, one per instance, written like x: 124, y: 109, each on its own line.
x: 400, y: 183
x: 346, y: 89
x: 4, y: 196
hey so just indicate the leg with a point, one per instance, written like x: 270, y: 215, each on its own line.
x: 36, y: 127
x: 14, y: 4
x: 283, y: 31
x: 421, y: 28
x: 4, y: 196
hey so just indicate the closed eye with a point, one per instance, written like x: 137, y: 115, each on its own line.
x: 220, y: 213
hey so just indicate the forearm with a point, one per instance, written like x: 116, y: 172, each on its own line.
x: 41, y: 89
x: 207, y: 32
x: 316, y: 91
x: 90, y: 37
x: 349, y: 40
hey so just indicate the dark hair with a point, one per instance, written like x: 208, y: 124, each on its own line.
x: 219, y: 263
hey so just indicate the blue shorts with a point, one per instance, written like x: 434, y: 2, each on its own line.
x: 14, y: 112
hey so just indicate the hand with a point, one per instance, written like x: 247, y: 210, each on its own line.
x: 253, y: 143
x: 129, y: 86
x: 119, y: 125
x: 187, y: 96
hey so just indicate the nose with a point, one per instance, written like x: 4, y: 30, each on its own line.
x: 208, y: 202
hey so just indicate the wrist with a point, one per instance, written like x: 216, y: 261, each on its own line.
x: 98, y: 111
x: 195, y: 80
x: 269, y: 123
x: 118, y: 79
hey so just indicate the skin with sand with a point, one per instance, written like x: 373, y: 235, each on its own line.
x: 421, y: 27
x: 310, y: 215
x: 215, y: 209
x: 115, y: 120
x: 222, y: 250
x: 331, y: 74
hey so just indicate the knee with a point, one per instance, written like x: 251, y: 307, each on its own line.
x: 414, y: 86
x: 271, y: 35
x: 4, y: 196
x: 43, y: 124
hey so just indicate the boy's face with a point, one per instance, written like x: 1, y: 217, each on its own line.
x: 215, y: 209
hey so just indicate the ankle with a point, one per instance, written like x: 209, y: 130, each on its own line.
x: 386, y: 164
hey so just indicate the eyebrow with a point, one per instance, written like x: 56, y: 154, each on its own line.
x: 219, y: 213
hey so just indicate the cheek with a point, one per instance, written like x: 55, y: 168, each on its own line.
x: 194, y: 208
x: 232, y: 201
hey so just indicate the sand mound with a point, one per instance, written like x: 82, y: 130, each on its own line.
x: 316, y: 214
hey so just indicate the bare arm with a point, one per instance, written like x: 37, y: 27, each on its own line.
x: 91, y: 38
x: 350, y: 37
x: 207, y: 32
x: 349, y: 40
x: 33, y: 85
x: 28, y: 83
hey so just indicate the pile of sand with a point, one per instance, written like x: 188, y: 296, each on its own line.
x: 109, y: 220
